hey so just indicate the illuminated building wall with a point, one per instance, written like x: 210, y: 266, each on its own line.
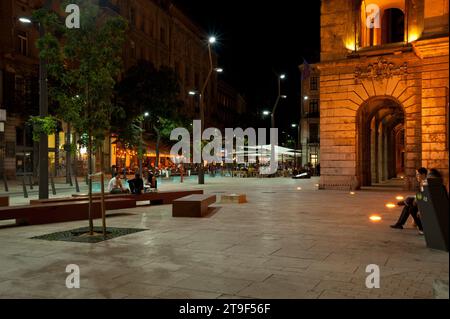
x: 383, y: 90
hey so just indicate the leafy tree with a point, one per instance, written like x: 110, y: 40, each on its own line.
x: 83, y: 65
x: 145, y: 89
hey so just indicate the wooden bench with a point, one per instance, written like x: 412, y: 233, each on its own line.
x: 60, y: 212
x: 161, y: 197
x: 192, y: 205
x: 4, y: 201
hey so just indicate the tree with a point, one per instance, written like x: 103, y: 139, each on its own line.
x: 145, y: 89
x: 83, y: 65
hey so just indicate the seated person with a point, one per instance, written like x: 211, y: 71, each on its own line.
x: 115, y: 185
x: 411, y: 204
x: 136, y: 184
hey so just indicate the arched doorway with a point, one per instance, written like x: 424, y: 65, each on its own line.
x: 381, y: 141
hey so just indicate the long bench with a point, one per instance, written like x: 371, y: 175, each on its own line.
x: 46, y: 213
x: 160, y: 197
x: 53, y: 210
x: 192, y: 205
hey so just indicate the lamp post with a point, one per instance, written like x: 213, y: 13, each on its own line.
x: 211, y: 41
x: 43, y: 111
x: 293, y: 125
x: 279, y: 96
x: 141, y: 155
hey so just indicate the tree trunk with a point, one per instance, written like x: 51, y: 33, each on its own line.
x: 91, y: 224
x: 75, y: 165
x: 158, y: 139
x: 102, y: 186
x: 68, y: 156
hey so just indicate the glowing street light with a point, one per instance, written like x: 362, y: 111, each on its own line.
x: 192, y: 93
x: 219, y: 70
x: 282, y: 76
x: 305, y: 98
x: 25, y: 20
x: 212, y: 40
x: 266, y: 113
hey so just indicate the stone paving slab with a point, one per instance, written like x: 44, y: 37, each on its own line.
x: 287, y: 244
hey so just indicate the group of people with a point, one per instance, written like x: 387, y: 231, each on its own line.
x: 410, y: 203
x: 137, y: 185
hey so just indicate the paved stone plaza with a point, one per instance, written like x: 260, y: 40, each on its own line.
x: 289, y: 241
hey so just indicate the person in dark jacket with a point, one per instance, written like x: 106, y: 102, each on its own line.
x: 136, y: 184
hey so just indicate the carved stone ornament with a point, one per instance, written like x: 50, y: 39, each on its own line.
x: 382, y: 69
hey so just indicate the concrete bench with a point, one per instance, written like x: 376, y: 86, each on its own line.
x: 233, y: 198
x: 192, y: 205
x: 60, y: 212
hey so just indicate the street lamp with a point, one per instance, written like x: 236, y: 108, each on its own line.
x: 146, y: 114
x: 266, y: 113
x: 43, y: 111
x: 25, y: 20
x: 280, y: 77
x: 293, y: 125
x: 211, y: 41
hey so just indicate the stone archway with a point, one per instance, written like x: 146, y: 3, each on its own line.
x: 380, y: 124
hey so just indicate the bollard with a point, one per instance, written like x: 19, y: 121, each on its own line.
x: 5, y: 181
x: 25, y: 193
x: 53, y: 185
x: 77, y: 187
x: 70, y: 179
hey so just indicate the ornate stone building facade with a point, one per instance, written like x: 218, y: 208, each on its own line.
x: 384, y: 82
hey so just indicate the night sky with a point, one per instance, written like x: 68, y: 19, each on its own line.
x: 258, y: 39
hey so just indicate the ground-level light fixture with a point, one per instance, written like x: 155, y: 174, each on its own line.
x: 375, y: 218
x: 390, y: 205
x: 352, y: 193
x: 399, y: 197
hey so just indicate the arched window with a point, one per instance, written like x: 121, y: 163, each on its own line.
x: 382, y: 22
x: 393, y: 26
